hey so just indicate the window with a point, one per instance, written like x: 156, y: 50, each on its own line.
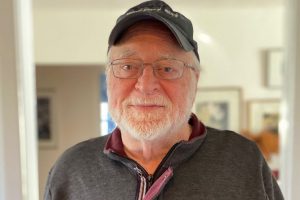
x: 107, y: 125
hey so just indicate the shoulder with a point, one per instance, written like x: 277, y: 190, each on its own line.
x: 79, y: 157
x: 230, y: 137
x: 86, y: 148
x: 232, y: 153
x: 231, y: 144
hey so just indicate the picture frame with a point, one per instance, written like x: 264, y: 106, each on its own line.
x: 263, y: 121
x: 219, y: 107
x: 263, y: 115
x: 274, y: 71
x: 46, y: 118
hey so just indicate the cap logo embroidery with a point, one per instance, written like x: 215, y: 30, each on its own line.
x: 144, y: 10
x: 167, y: 11
x: 173, y: 14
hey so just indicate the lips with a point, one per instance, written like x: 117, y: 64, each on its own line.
x: 149, y: 104
x: 146, y: 107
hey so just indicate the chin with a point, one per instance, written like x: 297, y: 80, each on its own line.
x: 153, y: 127
x: 151, y: 130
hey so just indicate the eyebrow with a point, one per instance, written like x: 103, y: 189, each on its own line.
x: 166, y: 56
x: 127, y: 53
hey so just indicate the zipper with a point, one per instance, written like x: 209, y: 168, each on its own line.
x: 146, y: 180
x: 143, y: 184
x: 159, y: 185
x: 158, y: 172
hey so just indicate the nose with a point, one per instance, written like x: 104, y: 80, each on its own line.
x: 147, y: 83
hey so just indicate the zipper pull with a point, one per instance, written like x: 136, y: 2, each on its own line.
x: 150, y: 179
x: 159, y: 184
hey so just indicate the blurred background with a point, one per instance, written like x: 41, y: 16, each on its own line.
x: 241, y: 88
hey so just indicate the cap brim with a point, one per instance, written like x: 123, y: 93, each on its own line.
x: 129, y: 20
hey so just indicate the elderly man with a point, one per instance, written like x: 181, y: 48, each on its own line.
x: 160, y: 150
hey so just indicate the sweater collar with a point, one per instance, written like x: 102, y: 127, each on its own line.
x: 183, y: 148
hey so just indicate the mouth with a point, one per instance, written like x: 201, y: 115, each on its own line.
x: 150, y: 104
x: 146, y: 107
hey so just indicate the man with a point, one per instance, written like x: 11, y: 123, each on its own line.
x: 160, y: 150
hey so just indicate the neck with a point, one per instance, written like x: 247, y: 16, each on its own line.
x: 149, y: 153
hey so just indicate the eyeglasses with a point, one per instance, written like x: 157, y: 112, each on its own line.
x: 163, y: 69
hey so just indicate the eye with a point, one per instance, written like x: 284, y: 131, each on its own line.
x: 168, y: 66
x: 127, y: 67
x: 167, y: 69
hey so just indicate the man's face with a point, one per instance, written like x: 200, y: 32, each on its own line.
x: 148, y: 107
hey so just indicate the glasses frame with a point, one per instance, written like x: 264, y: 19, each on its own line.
x: 143, y: 65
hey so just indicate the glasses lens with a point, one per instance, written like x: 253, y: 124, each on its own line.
x: 126, y: 68
x: 168, y: 69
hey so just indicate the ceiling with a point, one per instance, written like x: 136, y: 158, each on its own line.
x: 121, y: 4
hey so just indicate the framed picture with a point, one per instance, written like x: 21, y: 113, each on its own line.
x: 263, y: 118
x: 46, y: 122
x: 263, y: 115
x: 274, y: 71
x: 219, y: 107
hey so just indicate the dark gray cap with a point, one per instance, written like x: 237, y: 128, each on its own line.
x: 178, y: 24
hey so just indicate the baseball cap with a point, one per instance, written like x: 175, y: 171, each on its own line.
x: 178, y: 24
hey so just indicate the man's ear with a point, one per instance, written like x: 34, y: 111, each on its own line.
x: 197, y: 76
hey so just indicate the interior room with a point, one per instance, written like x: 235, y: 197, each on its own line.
x: 235, y: 42
x: 242, y: 86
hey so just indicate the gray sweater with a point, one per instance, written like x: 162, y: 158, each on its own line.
x: 213, y: 165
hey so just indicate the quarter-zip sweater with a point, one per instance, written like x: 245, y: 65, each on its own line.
x: 213, y: 164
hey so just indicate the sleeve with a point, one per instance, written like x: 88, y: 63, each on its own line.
x: 47, y: 193
x: 272, y: 189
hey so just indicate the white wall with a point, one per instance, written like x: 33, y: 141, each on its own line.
x: 238, y: 39
x: 76, y: 110
x: 72, y: 36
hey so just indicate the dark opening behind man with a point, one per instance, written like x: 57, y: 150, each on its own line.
x: 160, y: 150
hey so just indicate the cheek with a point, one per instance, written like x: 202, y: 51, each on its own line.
x: 178, y: 94
x: 117, y: 90
x: 182, y: 94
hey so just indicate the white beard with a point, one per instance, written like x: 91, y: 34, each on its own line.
x: 150, y: 125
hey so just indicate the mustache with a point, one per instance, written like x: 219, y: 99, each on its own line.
x: 158, y: 100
